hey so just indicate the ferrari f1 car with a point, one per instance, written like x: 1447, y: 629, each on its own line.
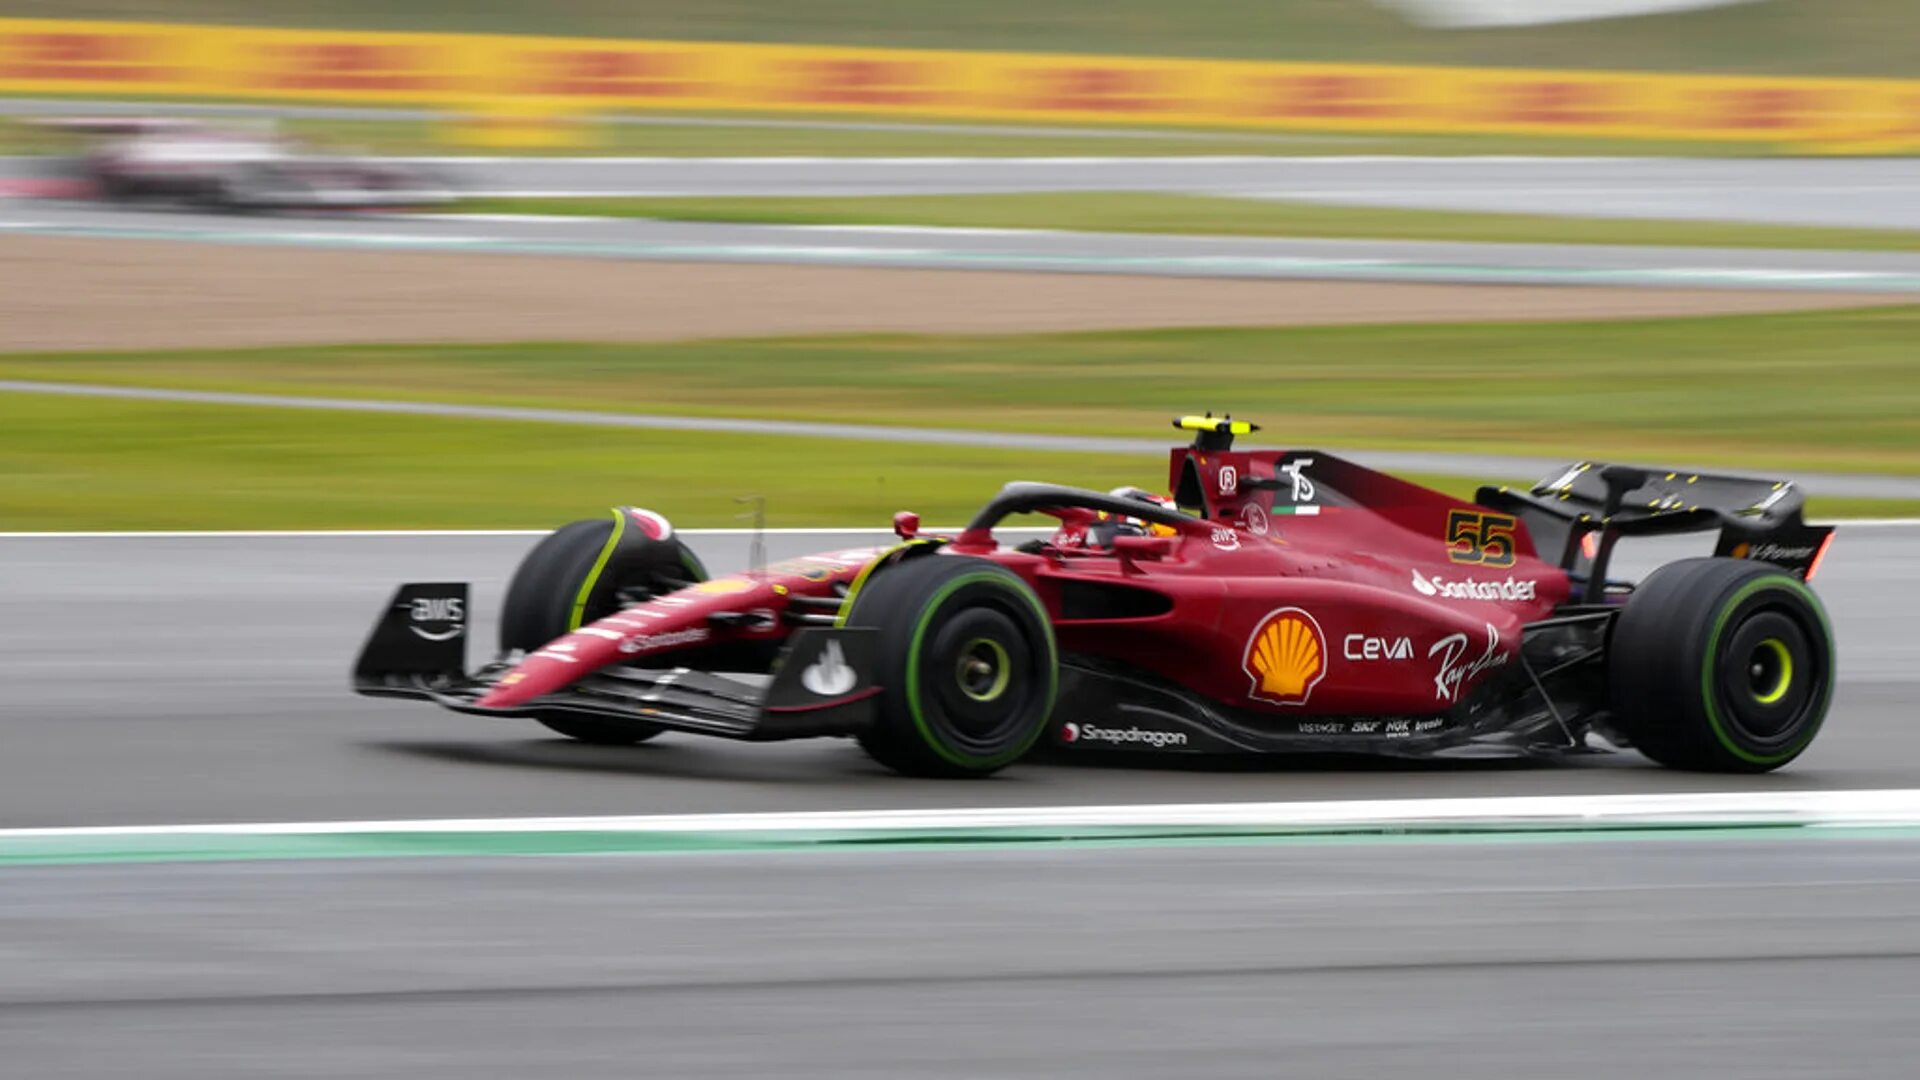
x: 1278, y: 603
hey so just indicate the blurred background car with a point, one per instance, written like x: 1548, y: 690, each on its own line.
x: 235, y: 167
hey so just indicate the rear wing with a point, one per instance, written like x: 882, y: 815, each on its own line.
x: 1582, y: 510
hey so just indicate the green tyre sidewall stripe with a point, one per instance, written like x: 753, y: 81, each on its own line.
x: 927, y: 734
x: 593, y: 575
x: 1709, y: 694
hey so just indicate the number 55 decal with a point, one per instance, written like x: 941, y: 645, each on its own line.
x: 1480, y: 539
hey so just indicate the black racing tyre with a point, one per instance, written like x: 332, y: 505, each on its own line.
x: 1721, y: 665
x: 548, y: 586
x: 968, y: 663
x: 246, y: 189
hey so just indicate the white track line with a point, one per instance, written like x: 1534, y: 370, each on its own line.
x: 1829, y: 808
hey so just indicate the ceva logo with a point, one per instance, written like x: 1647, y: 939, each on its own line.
x: 1286, y: 657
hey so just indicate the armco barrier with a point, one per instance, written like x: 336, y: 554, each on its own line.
x: 467, y: 71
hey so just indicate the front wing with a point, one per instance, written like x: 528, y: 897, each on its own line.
x: 418, y: 647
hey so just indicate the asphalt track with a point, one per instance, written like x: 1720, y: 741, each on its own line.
x: 203, y: 679
x: 1862, y: 192
x: 1750, y: 960
x: 1889, y: 275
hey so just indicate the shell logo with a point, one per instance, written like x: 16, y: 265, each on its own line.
x: 1286, y: 657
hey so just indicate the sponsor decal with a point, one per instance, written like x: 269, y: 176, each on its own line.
x: 1367, y: 647
x: 1480, y: 539
x: 803, y: 568
x: 829, y: 675
x: 1286, y: 657
x: 1255, y: 520
x: 651, y: 525
x: 1229, y: 480
x: 1766, y: 552
x: 692, y: 635
x: 1455, y: 671
x: 1226, y: 539
x: 1302, y: 485
x: 1392, y: 729
x: 723, y: 586
x: 1127, y: 736
x: 430, y: 610
x: 1510, y: 589
x: 559, y: 650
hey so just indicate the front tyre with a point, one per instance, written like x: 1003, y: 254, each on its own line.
x: 1721, y: 665
x: 968, y: 663
x: 568, y: 581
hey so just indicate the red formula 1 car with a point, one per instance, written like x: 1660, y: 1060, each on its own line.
x: 1286, y: 602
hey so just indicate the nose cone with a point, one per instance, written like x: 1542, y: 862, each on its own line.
x: 648, y: 633
x: 553, y: 666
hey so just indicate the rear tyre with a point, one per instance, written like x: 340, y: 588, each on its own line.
x: 1721, y: 665
x: 548, y: 586
x: 968, y: 663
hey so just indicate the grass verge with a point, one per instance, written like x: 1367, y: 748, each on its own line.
x: 110, y: 465
x: 1202, y: 215
x: 94, y: 464
x: 1835, y: 390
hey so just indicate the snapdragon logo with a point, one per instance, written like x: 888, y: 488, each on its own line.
x: 693, y: 635
x: 1132, y: 736
x: 1510, y: 589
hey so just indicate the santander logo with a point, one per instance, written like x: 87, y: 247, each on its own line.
x: 1511, y: 589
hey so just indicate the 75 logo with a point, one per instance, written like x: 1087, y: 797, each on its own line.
x: 1480, y: 539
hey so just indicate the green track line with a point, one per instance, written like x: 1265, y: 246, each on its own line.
x: 189, y: 847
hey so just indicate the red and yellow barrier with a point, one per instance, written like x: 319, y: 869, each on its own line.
x: 575, y: 76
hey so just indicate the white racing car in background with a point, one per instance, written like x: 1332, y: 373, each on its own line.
x: 236, y: 167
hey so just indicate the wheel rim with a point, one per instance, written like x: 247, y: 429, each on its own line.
x: 1769, y: 671
x: 1770, y: 682
x: 982, y: 670
x: 976, y: 675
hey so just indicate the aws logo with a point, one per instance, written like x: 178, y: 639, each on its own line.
x: 1286, y: 657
